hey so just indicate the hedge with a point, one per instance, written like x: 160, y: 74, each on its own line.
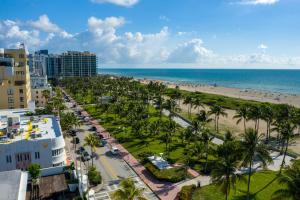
x: 172, y: 175
x: 186, y: 192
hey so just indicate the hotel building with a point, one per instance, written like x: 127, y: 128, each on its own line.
x: 14, y: 79
x: 30, y: 139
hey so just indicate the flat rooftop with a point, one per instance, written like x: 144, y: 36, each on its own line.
x: 16, y: 126
x: 13, y: 185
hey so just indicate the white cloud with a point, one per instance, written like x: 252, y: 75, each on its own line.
x: 258, y: 2
x: 192, y: 51
x: 125, y: 3
x: 44, y: 24
x: 262, y: 46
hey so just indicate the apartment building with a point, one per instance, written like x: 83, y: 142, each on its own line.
x: 30, y: 139
x: 78, y: 64
x: 14, y: 79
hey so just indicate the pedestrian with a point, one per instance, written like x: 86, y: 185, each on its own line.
x: 198, y: 184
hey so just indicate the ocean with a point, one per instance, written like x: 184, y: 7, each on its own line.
x: 281, y: 81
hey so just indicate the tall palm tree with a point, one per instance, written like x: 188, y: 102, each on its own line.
x: 205, y: 138
x: 188, y: 100
x: 217, y: 111
x: 287, y: 131
x: 241, y: 115
x: 224, y: 173
x: 128, y: 191
x: 255, y: 113
x: 268, y: 117
x: 203, y: 117
x: 92, y: 141
x: 171, y: 105
x: 198, y: 103
x: 291, y: 179
x: 252, y: 147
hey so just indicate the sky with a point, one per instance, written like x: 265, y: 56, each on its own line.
x: 160, y: 33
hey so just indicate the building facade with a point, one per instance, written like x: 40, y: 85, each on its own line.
x: 38, y: 63
x: 39, y: 84
x: 53, y: 66
x: 78, y: 64
x: 15, y: 87
x: 30, y: 139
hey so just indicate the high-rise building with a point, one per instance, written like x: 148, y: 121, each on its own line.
x: 14, y: 79
x: 38, y: 63
x: 79, y: 64
x: 53, y: 66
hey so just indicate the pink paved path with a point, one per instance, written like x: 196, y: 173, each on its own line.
x: 165, y: 190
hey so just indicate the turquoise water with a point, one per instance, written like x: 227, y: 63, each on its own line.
x: 283, y: 81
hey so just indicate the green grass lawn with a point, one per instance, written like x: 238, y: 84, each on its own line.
x: 263, y: 184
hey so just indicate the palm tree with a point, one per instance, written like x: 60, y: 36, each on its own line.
x: 171, y: 106
x: 252, y: 147
x: 205, y: 138
x: 35, y: 173
x: 198, y: 103
x: 241, y: 115
x: 46, y: 95
x: 203, y: 117
x: 224, y: 173
x: 268, y: 117
x: 291, y: 179
x: 188, y: 100
x: 92, y: 141
x: 287, y: 131
x: 128, y: 191
x: 255, y: 113
x: 217, y: 110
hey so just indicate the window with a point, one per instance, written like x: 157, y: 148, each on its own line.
x: 37, y: 155
x: 10, y: 100
x: 21, y: 99
x: 21, y: 55
x: 8, y: 159
x: 57, y: 152
x: 22, y: 106
x: 10, y: 91
x: 37, y: 92
x: 37, y: 97
x: 21, y: 91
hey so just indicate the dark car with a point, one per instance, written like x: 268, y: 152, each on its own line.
x: 93, y: 128
x: 77, y: 140
x: 81, y: 150
x: 73, y: 133
x: 85, y: 156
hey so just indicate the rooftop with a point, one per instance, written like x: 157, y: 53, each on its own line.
x: 16, y: 126
x: 13, y: 185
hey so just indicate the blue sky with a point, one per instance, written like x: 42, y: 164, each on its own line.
x: 160, y: 33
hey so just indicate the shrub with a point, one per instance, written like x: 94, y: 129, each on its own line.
x: 186, y: 192
x: 94, y: 176
x: 172, y: 175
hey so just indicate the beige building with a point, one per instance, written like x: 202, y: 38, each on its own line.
x: 38, y: 85
x: 14, y: 79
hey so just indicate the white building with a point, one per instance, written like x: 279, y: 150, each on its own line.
x: 25, y: 140
x: 38, y: 85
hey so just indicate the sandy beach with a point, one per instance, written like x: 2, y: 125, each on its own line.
x: 262, y: 96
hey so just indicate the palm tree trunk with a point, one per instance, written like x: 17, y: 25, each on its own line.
x: 245, y: 125
x: 249, y: 179
x: 227, y: 187
x: 283, y: 160
x: 217, y: 124
x: 206, y: 157
x: 92, y: 156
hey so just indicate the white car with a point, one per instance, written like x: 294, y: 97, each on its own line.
x: 114, y: 151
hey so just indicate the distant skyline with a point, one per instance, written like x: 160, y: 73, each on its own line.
x: 160, y: 33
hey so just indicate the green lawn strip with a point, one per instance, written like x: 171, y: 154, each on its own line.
x: 224, y: 101
x: 263, y: 184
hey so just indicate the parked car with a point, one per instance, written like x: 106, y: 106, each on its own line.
x: 114, y: 151
x: 93, y: 128
x: 73, y: 133
x: 86, y: 156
